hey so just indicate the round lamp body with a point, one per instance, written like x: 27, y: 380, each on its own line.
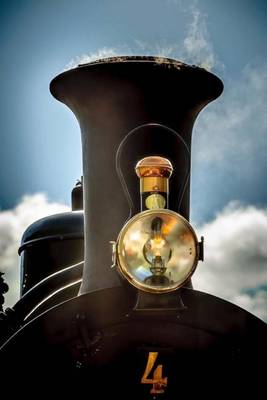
x: 155, y: 237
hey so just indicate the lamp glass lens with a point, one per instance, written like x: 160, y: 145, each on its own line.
x: 157, y: 250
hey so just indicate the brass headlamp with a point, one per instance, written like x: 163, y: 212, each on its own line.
x: 157, y: 250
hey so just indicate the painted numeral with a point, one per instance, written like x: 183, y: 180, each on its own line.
x: 158, y: 382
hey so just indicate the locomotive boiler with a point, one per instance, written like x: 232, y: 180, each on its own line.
x: 108, y: 306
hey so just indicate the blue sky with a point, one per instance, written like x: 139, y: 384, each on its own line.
x: 40, y: 38
x: 40, y: 148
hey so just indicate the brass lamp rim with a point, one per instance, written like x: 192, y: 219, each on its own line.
x: 122, y: 268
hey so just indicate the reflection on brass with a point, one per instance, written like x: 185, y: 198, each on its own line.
x: 154, y: 166
x: 154, y: 257
x: 154, y: 173
x: 158, y: 382
x: 154, y: 184
x: 155, y: 200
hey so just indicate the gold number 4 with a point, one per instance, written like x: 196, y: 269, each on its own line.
x: 158, y: 381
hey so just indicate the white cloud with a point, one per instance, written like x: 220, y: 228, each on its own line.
x: 197, y: 46
x: 235, y: 266
x: 12, y: 225
x: 256, y: 303
x: 235, y: 126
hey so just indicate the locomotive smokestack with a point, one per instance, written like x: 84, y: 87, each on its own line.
x: 130, y: 108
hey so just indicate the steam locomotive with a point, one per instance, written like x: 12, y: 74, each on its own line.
x: 107, y: 304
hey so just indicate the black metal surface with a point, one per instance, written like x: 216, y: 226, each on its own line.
x: 49, y: 245
x: 45, y: 289
x: 56, y: 224
x: 77, y: 197
x: 53, y: 290
x: 111, y: 98
x: 99, y: 343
